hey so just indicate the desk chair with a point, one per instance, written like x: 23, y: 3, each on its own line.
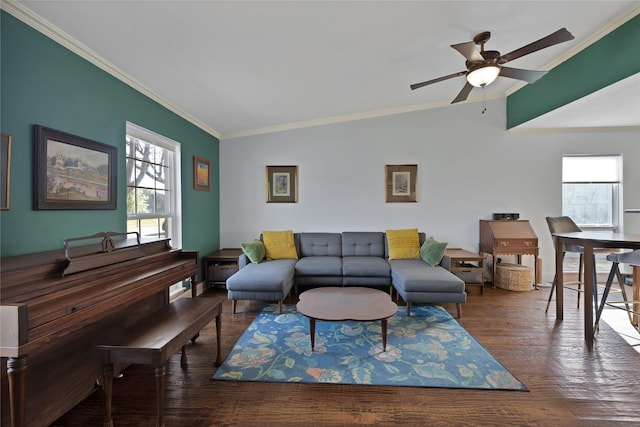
x: 564, y: 224
x: 632, y: 258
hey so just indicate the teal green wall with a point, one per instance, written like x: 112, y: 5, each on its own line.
x: 614, y: 57
x: 45, y: 83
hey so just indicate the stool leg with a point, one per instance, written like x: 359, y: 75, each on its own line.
x: 553, y: 285
x: 595, y: 284
x: 605, y: 294
x: 624, y: 294
x: 580, y: 278
x: 160, y: 374
x: 107, y: 379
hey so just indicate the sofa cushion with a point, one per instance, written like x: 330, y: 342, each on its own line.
x: 320, y: 244
x: 363, y: 243
x: 432, y: 251
x: 254, y: 250
x: 319, y: 266
x: 365, y: 266
x: 403, y: 244
x: 268, y: 276
x: 415, y: 275
x: 279, y: 245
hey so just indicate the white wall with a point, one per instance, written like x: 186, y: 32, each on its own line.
x: 469, y: 167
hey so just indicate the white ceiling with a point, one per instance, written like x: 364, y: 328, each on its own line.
x: 238, y: 67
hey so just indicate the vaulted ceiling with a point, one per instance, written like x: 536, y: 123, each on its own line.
x: 238, y: 68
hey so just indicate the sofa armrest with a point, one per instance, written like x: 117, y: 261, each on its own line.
x: 243, y: 260
x: 446, y: 262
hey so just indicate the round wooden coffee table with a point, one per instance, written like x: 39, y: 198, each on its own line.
x: 350, y: 303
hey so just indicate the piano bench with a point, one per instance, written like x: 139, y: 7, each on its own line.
x: 153, y: 340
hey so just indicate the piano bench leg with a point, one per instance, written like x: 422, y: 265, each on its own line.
x: 183, y: 358
x: 107, y: 379
x: 160, y: 375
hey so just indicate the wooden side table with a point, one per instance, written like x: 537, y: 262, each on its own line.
x: 220, y: 265
x: 467, y: 265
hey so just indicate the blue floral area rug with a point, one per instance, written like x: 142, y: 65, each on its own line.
x: 427, y: 349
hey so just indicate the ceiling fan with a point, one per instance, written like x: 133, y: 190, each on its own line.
x: 484, y: 66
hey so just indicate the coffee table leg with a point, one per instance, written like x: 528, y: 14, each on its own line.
x: 312, y: 331
x: 384, y: 334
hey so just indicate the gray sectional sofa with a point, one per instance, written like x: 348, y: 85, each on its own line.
x: 345, y: 259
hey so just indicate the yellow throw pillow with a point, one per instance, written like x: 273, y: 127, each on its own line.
x: 403, y: 244
x: 279, y: 244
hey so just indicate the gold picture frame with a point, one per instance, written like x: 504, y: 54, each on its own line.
x: 201, y: 173
x: 72, y: 172
x: 282, y: 184
x: 401, y: 183
x: 5, y: 171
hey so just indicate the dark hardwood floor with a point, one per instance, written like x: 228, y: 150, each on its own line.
x: 570, y: 384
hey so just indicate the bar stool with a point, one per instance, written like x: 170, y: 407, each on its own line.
x: 632, y: 258
x: 564, y: 224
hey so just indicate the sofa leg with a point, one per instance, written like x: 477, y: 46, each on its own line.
x: 459, y: 309
x: 280, y: 306
x: 408, y: 309
x: 233, y: 306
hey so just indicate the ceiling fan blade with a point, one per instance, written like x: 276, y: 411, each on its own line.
x: 464, y: 93
x: 560, y: 36
x: 439, y: 79
x: 529, y: 76
x: 469, y: 51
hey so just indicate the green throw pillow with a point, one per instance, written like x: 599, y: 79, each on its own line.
x: 254, y: 250
x: 432, y: 251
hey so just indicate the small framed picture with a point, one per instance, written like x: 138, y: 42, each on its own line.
x: 400, y: 183
x: 201, y: 173
x: 282, y: 184
x: 73, y: 172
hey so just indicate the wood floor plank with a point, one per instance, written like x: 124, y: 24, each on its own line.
x: 570, y: 385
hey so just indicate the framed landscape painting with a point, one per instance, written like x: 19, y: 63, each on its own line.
x: 400, y: 183
x: 282, y: 184
x: 72, y: 172
x: 201, y: 173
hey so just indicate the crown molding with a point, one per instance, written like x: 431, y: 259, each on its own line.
x: 351, y: 117
x: 56, y: 34
x: 534, y: 131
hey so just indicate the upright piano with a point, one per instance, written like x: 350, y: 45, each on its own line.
x: 56, y: 305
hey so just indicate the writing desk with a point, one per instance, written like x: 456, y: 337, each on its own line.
x: 588, y: 240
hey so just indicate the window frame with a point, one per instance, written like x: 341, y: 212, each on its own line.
x: 615, y: 180
x: 174, y: 232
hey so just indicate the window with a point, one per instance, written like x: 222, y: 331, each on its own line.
x: 591, y: 195
x: 591, y: 187
x: 153, y: 187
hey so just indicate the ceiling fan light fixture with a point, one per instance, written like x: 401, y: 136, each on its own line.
x: 483, y: 75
